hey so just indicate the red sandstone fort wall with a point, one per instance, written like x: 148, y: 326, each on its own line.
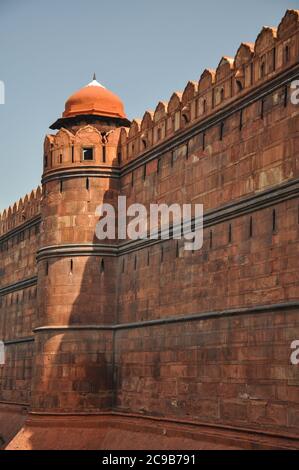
x: 19, y: 240
x: 226, y: 370
x: 230, y: 142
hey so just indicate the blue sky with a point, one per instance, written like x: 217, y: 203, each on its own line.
x: 142, y: 50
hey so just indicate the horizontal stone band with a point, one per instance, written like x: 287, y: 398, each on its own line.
x: 259, y: 201
x: 32, y: 281
x: 177, y: 319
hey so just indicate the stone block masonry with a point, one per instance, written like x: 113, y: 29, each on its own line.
x: 190, y: 348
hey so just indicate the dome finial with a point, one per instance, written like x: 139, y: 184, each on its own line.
x: 94, y: 76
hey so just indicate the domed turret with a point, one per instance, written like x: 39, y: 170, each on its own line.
x: 76, y: 272
x: 93, y: 102
x: 94, y: 98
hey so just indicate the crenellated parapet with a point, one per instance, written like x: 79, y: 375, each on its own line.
x: 275, y: 50
x: 21, y: 212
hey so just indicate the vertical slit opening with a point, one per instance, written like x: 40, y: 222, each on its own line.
x: 251, y: 73
x: 274, y: 221
x: 241, y: 120
x: 285, y: 97
x: 230, y: 233
x: 187, y: 150
x: 262, y: 108
x: 221, y: 130
x: 172, y: 159
x: 274, y: 58
x: 102, y: 267
x: 250, y: 227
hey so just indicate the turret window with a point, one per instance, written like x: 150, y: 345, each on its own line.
x: 87, y: 153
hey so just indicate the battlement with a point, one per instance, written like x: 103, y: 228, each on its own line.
x: 275, y: 50
x: 22, y: 211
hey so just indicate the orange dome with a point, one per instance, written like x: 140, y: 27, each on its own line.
x: 94, y: 99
